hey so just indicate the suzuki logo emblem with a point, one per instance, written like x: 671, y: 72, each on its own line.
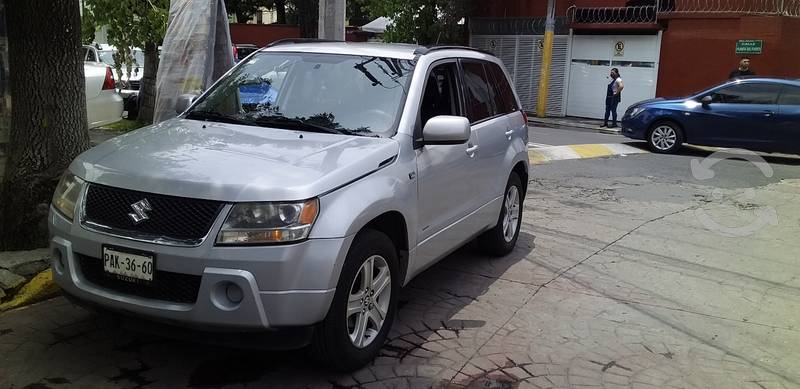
x: 140, y: 209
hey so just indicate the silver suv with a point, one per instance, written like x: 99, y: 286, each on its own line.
x: 298, y: 195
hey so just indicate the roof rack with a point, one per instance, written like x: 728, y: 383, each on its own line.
x: 429, y: 49
x: 299, y: 40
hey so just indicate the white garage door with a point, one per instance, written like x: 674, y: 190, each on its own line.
x: 593, y: 56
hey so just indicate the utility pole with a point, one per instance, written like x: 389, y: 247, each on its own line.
x: 547, y: 57
x: 331, y: 19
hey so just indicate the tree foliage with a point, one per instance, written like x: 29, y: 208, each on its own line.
x: 245, y: 9
x: 130, y: 23
x: 358, y: 12
x: 423, y: 21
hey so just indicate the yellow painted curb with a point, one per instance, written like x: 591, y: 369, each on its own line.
x: 37, y: 289
x: 536, y: 158
x: 592, y: 150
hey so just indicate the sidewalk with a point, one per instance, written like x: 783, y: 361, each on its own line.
x: 573, y: 122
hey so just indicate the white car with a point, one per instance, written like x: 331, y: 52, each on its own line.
x: 128, y: 85
x: 103, y: 103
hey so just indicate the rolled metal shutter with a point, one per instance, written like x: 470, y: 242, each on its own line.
x: 522, y: 58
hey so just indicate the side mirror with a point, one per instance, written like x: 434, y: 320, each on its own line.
x: 706, y: 100
x: 184, y: 102
x: 446, y: 130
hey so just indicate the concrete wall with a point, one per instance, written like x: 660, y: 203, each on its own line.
x: 700, y: 52
x: 262, y: 34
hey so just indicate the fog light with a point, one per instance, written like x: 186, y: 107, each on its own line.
x: 234, y: 293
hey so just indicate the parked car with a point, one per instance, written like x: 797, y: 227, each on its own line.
x: 129, y: 84
x: 754, y: 113
x: 299, y: 218
x: 103, y: 103
x: 242, y: 50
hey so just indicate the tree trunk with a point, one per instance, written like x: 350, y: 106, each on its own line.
x: 147, y: 93
x: 48, y: 118
x: 280, y: 11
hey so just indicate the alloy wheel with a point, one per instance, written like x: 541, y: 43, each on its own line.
x: 511, y: 217
x: 368, y: 301
x: 664, y: 137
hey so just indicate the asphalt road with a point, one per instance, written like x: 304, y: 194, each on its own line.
x: 630, y: 272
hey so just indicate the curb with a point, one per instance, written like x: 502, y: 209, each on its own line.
x: 39, y: 288
x: 569, y: 124
x: 538, y: 156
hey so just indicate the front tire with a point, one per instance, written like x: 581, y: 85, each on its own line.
x: 363, y: 306
x: 502, y: 238
x: 665, y: 137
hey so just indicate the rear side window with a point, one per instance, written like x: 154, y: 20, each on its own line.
x: 790, y: 96
x: 509, y: 102
x: 479, y: 96
x: 747, y: 94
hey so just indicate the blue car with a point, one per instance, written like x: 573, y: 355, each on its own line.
x: 756, y: 113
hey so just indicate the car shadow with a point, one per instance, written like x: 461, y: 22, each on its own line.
x: 690, y: 150
x: 442, y: 311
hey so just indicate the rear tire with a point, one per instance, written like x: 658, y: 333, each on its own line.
x: 502, y: 238
x: 665, y: 137
x: 341, y: 341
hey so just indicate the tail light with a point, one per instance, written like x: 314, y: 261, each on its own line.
x: 109, y: 82
x: 524, y: 116
x: 235, y: 53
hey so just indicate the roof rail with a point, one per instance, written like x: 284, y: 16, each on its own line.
x: 429, y: 49
x: 299, y: 40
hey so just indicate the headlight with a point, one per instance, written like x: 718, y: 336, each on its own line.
x: 66, y: 195
x: 263, y: 223
x: 636, y: 111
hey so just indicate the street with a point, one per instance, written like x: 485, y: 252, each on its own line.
x: 634, y: 271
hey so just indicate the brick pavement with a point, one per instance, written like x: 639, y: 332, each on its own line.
x: 604, y: 290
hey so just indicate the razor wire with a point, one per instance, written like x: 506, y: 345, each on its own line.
x: 649, y: 14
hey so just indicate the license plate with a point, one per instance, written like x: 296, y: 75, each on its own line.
x: 128, y: 266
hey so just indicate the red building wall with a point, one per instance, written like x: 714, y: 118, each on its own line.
x: 519, y: 8
x: 262, y: 34
x: 700, y: 52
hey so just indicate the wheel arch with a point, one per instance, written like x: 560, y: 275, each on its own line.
x: 393, y: 224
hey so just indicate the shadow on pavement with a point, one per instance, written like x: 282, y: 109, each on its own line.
x: 444, y: 317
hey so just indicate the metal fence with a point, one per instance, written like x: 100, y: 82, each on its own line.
x: 649, y: 11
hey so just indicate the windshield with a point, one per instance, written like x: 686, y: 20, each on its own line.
x: 107, y: 57
x: 304, y: 91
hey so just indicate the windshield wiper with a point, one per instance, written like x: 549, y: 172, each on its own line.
x: 213, y: 116
x: 298, y: 124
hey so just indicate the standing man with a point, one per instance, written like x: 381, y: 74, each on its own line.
x: 744, y: 69
x: 613, y: 97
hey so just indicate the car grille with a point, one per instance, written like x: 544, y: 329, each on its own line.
x: 166, y: 286
x: 134, y: 85
x: 172, y: 218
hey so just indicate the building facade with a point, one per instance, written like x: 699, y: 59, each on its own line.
x: 663, y: 48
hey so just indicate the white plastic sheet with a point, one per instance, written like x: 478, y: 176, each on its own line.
x: 196, y: 52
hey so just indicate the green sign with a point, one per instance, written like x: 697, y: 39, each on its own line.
x: 749, y: 46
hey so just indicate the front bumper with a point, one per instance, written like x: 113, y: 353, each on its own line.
x: 634, y: 128
x: 283, y: 286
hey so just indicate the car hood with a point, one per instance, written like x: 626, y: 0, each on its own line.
x: 660, y: 100
x: 229, y: 162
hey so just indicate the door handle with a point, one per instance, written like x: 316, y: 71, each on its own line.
x: 471, y: 150
x: 509, y: 133
x: 768, y: 113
